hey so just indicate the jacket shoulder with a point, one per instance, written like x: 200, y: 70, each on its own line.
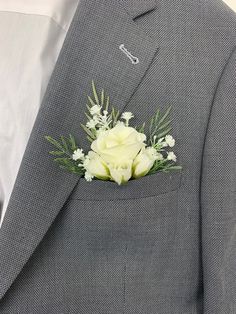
x: 217, y: 14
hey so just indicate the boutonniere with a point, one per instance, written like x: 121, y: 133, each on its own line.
x: 119, y: 152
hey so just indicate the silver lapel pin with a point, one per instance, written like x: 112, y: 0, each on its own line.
x: 133, y: 59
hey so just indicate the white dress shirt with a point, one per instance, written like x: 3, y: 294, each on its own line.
x: 231, y: 4
x: 31, y: 37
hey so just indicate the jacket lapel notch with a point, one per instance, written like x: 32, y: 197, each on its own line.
x: 136, y: 8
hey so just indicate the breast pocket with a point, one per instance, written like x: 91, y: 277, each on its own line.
x: 148, y: 204
x: 125, y: 231
x: 155, y: 184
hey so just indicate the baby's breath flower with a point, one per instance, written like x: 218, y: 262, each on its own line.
x: 103, y: 119
x: 106, y: 124
x: 91, y: 124
x: 118, y: 122
x: 154, y: 153
x: 94, y: 110
x: 159, y: 156
x: 170, y: 140
x: 100, y: 131
x: 171, y: 156
x: 88, y: 176
x: 86, y: 161
x: 96, y: 119
x: 162, y: 142
x: 151, y: 151
x: 78, y: 154
x: 127, y: 116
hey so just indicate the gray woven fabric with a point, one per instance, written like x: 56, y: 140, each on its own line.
x: 163, y: 244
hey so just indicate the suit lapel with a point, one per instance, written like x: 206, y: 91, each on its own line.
x: 90, y: 51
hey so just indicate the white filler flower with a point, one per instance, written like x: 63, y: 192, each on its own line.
x: 91, y: 124
x: 144, y: 162
x: 127, y: 116
x: 170, y: 140
x: 171, y: 156
x: 88, y: 176
x: 94, y: 110
x: 78, y: 154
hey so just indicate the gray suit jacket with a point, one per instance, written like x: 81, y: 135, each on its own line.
x: 165, y: 243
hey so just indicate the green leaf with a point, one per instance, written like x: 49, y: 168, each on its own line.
x: 54, y: 142
x: 95, y: 93
x: 115, y: 114
x: 89, y: 138
x: 107, y: 103
x: 90, y: 133
x: 61, y: 161
x: 88, y: 107
x: 157, y: 115
x: 56, y: 153
x: 91, y: 101
x: 65, y: 146
x: 73, y: 143
x: 141, y: 129
x: 175, y: 167
x: 150, y: 126
x: 164, y: 125
x: 88, y: 116
x: 102, y: 97
x: 164, y: 133
x: 165, y: 115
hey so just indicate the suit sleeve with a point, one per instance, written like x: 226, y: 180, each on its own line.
x: 218, y: 198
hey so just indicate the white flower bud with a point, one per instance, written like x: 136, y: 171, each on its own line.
x: 121, y: 173
x: 96, y: 166
x: 144, y: 162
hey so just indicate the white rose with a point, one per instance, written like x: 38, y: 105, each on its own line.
x: 121, y: 173
x: 119, y: 144
x: 96, y: 166
x: 144, y: 162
